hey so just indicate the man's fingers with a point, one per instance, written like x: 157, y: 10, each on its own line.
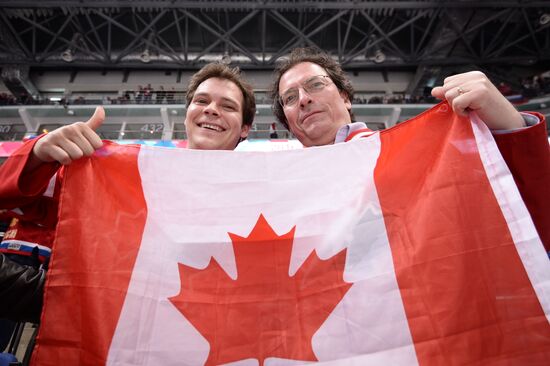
x: 73, y: 150
x: 444, y: 91
x: 93, y: 138
x: 71, y: 142
x: 96, y: 119
x: 84, y: 142
x: 460, y: 106
x: 466, y: 100
x: 438, y: 92
x: 55, y: 153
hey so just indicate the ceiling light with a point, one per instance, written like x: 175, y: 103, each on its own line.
x: 226, y: 59
x: 378, y: 57
x: 145, y: 56
x: 67, y: 55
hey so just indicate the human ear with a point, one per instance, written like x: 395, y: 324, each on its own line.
x: 244, y: 131
x: 346, y: 100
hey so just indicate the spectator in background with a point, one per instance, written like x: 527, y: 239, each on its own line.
x: 160, y: 95
x: 273, y: 131
x: 545, y: 82
x: 139, y: 95
x: 147, y: 93
x: 528, y: 89
x: 375, y: 100
x: 170, y: 95
x: 7, y: 99
x: 537, y: 84
x: 125, y: 98
x: 504, y: 88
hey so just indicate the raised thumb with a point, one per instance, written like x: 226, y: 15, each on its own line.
x: 96, y: 119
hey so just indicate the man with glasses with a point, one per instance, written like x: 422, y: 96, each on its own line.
x: 220, y: 111
x: 312, y: 98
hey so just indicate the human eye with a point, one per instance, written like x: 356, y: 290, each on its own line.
x: 289, y: 97
x: 201, y: 100
x: 315, y: 84
x: 229, y: 107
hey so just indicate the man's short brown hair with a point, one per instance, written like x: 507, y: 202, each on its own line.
x: 316, y: 56
x: 233, y: 74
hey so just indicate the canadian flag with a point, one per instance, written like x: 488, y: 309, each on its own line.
x: 410, y: 246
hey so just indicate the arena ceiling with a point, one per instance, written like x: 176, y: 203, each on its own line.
x: 172, y: 34
x: 184, y: 34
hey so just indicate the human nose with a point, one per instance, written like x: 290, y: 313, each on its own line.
x: 211, y: 108
x: 304, y: 97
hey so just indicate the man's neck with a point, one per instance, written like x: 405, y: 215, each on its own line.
x: 346, y: 130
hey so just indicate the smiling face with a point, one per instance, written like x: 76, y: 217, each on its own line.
x: 214, y: 117
x: 316, y: 117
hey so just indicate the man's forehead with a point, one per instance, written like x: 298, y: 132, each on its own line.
x: 213, y: 82
x: 229, y: 91
x: 301, y: 72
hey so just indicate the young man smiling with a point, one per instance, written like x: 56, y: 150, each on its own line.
x: 220, y: 108
x: 220, y: 111
x: 312, y: 98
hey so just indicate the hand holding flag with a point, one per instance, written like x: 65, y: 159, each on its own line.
x: 71, y: 142
x: 473, y: 91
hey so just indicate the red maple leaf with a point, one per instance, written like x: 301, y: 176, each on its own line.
x: 264, y: 312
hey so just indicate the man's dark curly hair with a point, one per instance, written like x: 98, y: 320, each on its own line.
x: 316, y: 56
x: 221, y: 71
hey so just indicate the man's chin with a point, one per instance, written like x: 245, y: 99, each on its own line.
x: 317, y: 129
x: 208, y: 144
x: 320, y: 135
x: 312, y: 121
x: 203, y: 144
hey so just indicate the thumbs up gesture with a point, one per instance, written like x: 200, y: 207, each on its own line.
x: 70, y: 142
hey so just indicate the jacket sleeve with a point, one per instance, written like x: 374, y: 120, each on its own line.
x: 22, y: 195
x: 21, y: 291
x: 527, y: 154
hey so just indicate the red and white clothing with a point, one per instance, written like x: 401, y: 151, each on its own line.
x: 31, y: 202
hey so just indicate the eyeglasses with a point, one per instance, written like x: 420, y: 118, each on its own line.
x: 312, y: 85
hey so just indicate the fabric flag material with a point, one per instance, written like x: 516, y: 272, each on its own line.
x: 411, y: 246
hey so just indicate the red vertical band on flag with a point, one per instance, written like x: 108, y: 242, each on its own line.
x: 466, y: 294
x: 93, y: 285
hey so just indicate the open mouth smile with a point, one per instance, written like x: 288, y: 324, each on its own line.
x: 211, y: 127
